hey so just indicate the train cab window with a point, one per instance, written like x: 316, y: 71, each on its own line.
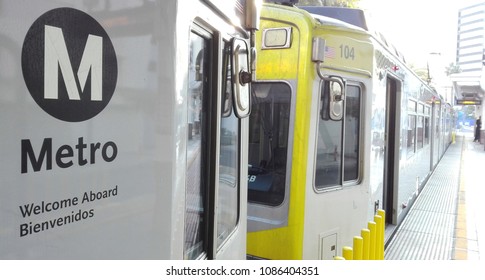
x: 352, y: 134
x: 338, y: 142
x: 268, y: 142
x: 228, y: 192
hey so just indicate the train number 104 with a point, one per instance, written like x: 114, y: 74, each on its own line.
x: 347, y: 52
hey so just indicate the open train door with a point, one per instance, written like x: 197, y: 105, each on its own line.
x: 392, y: 147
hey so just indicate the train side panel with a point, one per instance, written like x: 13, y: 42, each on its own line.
x: 406, y: 138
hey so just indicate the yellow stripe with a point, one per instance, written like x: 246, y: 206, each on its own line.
x: 292, y: 64
x: 460, y: 235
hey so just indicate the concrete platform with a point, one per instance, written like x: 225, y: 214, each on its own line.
x: 447, y: 221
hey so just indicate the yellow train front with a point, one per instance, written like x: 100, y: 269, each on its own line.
x: 332, y: 134
x: 304, y: 172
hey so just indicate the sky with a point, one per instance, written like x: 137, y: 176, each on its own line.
x: 418, y: 27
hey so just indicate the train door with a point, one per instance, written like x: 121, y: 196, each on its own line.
x: 218, y: 106
x: 391, y: 146
x: 199, y: 177
x: 215, y: 191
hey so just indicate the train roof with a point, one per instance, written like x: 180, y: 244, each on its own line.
x: 351, y: 19
x: 320, y: 18
x: 354, y: 17
x: 357, y: 18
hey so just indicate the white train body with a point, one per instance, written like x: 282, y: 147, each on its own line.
x: 113, y: 143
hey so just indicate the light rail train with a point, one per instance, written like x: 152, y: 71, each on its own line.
x: 124, y: 128
x: 340, y: 127
x: 127, y: 133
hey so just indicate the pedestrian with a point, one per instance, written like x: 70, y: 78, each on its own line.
x: 478, y: 126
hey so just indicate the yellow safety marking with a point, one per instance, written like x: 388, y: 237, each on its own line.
x: 460, y: 235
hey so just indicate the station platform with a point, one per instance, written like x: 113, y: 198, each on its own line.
x: 447, y: 220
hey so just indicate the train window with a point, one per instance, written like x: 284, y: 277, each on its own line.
x: 352, y: 134
x: 195, y: 243
x: 328, y: 168
x: 437, y: 122
x: 427, y: 125
x: 411, y: 106
x: 420, y: 108
x: 426, y: 130
x: 411, y: 128
x: 268, y: 142
x: 228, y: 192
x: 411, y: 135
x: 420, y: 131
x: 338, y: 148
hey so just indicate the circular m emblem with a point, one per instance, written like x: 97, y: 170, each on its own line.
x: 69, y: 64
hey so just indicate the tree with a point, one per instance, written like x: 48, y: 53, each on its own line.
x: 452, y: 68
x: 422, y: 73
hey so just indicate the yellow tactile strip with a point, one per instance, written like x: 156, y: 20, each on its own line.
x: 460, y: 236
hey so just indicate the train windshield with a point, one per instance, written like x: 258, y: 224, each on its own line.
x: 268, y: 142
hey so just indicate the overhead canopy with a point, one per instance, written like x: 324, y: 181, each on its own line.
x: 469, y: 87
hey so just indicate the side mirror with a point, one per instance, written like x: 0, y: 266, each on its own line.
x: 333, y: 97
x: 241, y: 78
x: 336, y: 101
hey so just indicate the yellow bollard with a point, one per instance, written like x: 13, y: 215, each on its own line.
x: 358, y: 247
x: 372, y: 243
x: 382, y: 213
x: 379, y: 237
x: 347, y: 253
x: 365, y: 244
x: 338, y: 258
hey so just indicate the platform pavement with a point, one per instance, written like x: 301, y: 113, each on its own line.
x: 470, y: 226
x: 447, y: 221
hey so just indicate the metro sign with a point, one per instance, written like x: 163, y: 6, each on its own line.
x: 69, y: 64
x: 56, y: 56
